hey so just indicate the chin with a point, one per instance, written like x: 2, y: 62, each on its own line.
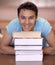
x: 27, y: 30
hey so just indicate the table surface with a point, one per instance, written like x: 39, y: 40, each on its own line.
x: 10, y: 60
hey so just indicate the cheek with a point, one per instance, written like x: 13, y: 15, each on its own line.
x: 22, y: 21
x: 33, y: 22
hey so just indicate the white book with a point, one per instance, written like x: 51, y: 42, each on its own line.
x: 28, y: 47
x: 29, y: 57
x: 28, y: 52
x: 28, y: 41
x: 28, y: 34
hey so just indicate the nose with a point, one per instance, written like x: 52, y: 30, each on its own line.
x: 27, y: 21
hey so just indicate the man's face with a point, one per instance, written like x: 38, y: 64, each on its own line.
x: 27, y: 19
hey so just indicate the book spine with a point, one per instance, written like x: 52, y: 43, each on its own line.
x: 28, y: 48
x: 29, y: 57
x: 28, y: 52
x: 28, y: 41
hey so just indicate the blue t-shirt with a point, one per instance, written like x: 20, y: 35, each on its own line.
x: 41, y: 25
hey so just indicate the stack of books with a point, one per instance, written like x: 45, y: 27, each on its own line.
x: 28, y: 46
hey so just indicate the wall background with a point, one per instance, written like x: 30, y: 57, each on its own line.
x: 8, y: 8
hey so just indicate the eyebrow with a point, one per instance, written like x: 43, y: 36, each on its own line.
x: 25, y: 16
x: 31, y: 16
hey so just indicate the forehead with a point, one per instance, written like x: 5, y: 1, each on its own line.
x: 27, y: 12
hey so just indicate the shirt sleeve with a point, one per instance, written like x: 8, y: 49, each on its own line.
x: 46, y: 29
x: 12, y: 26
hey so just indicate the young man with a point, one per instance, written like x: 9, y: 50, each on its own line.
x: 28, y: 20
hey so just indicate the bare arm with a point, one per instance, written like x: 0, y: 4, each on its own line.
x: 4, y: 45
x: 51, y: 41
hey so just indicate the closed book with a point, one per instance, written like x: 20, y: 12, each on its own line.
x: 28, y: 34
x: 29, y: 57
x: 28, y: 41
x: 28, y: 47
x: 28, y: 52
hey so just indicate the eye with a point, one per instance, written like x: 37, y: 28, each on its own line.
x: 23, y: 17
x: 31, y: 17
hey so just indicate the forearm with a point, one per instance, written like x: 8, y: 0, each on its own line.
x: 7, y: 50
x: 49, y: 50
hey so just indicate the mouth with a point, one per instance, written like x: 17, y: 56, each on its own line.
x: 26, y: 27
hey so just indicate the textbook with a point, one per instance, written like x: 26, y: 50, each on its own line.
x: 28, y: 46
x: 17, y: 47
x: 29, y: 57
x: 28, y: 41
x: 30, y: 34
x: 28, y: 52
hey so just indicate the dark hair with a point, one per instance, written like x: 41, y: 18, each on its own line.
x: 29, y: 6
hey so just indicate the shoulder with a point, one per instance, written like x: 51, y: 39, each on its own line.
x: 14, y: 25
x: 43, y: 25
x: 41, y: 20
x: 14, y: 21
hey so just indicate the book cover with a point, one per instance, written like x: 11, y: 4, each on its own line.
x: 30, y: 34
